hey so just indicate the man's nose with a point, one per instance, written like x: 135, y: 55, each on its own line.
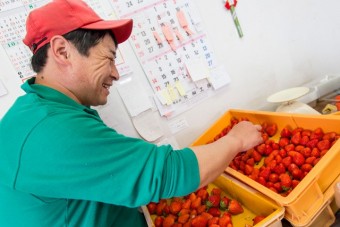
x: 114, y: 73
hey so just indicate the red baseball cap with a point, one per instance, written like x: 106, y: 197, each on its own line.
x: 62, y: 16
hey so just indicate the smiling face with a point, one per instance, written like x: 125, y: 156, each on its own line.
x: 94, y: 74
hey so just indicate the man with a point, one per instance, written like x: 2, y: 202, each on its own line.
x: 60, y: 165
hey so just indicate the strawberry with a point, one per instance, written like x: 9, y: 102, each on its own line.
x: 271, y: 129
x: 225, y: 220
x: 184, y: 211
x: 306, y: 152
x: 265, y: 173
x: 287, y: 161
x: 323, y: 145
x: 248, y: 169
x: 206, y: 215
x: 289, y: 147
x: 160, y: 207
x: 152, y: 207
x: 295, y: 183
x: 277, y: 186
x: 258, y: 218
x: 203, y: 193
x: 286, y: 182
x: 202, y: 208
x: 213, y: 201
x: 199, y: 221
x: 268, y: 149
x: 262, y: 181
x: 175, y: 207
x: 279, y: 168
x: 306, y: 167
x: 183, y: 218
x: 310, y: 160
x: 286, y: 133
x: 297, y: 174
x: 196, y: 203
x: 214, y: 211
x: 213, y: 221
x: 273, y: 177
x: 159, y: 221
x: 235, y: 207
x: 256, y: 155
x: 304, y: 140
x: 169, y: 221
x: 296, y: 138
x: 312, y: 143
x: 224, y: 202
x: 298, y: 159
x: 186, y: 204
x: 329, y: 136
x: 216, y: 191
x: 284, y: 141
x: 261, y: 148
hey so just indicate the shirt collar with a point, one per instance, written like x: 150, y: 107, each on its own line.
x: 51, y: 94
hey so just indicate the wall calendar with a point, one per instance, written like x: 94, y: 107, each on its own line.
x: 168, y: 40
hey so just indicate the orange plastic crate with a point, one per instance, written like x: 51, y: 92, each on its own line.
x: 307, y: 198
x: 253, y: 203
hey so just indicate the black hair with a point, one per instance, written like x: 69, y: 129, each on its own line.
x: 82, y: 39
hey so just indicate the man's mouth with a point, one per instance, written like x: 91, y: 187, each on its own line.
x: 106, y: 86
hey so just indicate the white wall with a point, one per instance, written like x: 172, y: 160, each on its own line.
x: 285, y: 44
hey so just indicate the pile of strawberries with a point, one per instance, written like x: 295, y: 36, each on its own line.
x: 200, y: 208
x: 281, y: 165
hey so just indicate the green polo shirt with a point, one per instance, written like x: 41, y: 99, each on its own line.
x: 60, y: 165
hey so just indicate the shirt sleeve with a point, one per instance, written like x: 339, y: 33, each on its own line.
x: 75, y: 155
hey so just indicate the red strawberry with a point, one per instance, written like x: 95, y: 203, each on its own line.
x: 214, y: 211
x: 306, y: 167
x: 213, y: 221
x: 279, y: 168
x: 273, y: 177
x: 286, y: 133
x: 298, y: 159
x: 296, y: 138
x: 169, y: 221
x: 323, y: 145
x: 199, y: 221
x: 304, y: 140
x: 224, y: 202
x: 312, y: 143
x: 225, y: 220
x: 258, y: 218
x: 265, y: 173
x: 213, y: 201
x: 159, y: 221
x: 203, y: 193
x: 152, y: 207
x: 286, y: 182
x: 235, y: 207
x: 175, y: 207
x: 287, y: 161
x: 196, y: 203
x: 216, y: 191
x: 183, y: 218
x: 186, y: 204
x: 283, y: 141
x: 257, y: 156
x: 271, y: 129
x: 297, y: 174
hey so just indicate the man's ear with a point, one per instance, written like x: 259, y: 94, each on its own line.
x: 60, y: 49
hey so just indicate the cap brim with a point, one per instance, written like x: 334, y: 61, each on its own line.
x: 121, y: 28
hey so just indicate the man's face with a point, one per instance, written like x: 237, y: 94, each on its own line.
x: 95, y: 73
